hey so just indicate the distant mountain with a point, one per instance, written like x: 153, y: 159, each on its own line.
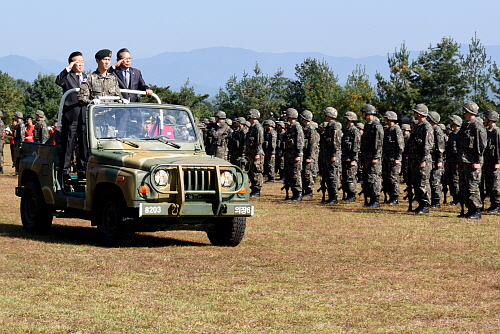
x: 210, y: 68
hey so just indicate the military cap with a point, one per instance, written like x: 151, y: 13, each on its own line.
x: 405, y: 127
x: 360, y: 126
x: 434, y: 116
x: 18, y: 114
x: 314, y: 125
x: 253, y: 113
x: 351, y: 116
x: 229, y: 122
x: 292, y: 113
x: 330, y: 112
x: 471, y: 107
x: 307, y: 115
x: 369, y: 109
x: 39, y: 113
x: 421, y: 109
x: 492, y: 115
x: 391, y: 116
x: 455, y: 119
x: 220, y: 114
x: 103, y: 54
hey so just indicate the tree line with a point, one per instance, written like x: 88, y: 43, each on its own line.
x: 441, y: 76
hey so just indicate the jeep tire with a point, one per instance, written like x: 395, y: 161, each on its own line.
x: 114, y: 229
x: 35, y: 214
x: 227, y: 231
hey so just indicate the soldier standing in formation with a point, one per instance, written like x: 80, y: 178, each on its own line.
x: 437, y: 160
x: 2, y: 136
x: 236, y: 144
x: 331, y: 145
x: 294, y: 146
x: 280, y: 149
x: 371, y: 156
x: 420, y: 147
x: 311, y: 151
x: 392, y: 156
x: 491, y: 167
x: 269, y: 146
x: 218, y: 135
x: 451, y: 160
x: 41, y: 132
x: 253, y: 151
x: 351, y: 142
x: 406, y: 129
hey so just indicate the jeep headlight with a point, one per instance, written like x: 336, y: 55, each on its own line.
x: 226, y: 179
x: 162, y: 177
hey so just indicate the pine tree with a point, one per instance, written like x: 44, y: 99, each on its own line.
x: 358, y: 91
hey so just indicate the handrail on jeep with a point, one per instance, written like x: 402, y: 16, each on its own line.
x: 72, y: 90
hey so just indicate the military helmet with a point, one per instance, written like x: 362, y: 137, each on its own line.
x: 307, y: 115
x: 220, y: 114
x: 455, y: 119
x: 391, y: 116
x: 18, y: 114
x: 229, y: 121
x: 492, y: 115
x: 313, y: 125
x: 421, y: 109
x: 39, y: 113
x: 471, y: 107
x: 443, y: 127
x: 368, y: 109
x: 434, y: 116
x: 247, y: 124
x: 351, y: 116
x: 330, y: 112
x: 253, y: 113
x: 360, y: 126
x: 405, y: 127
x: 269, y: 122
x: 280, y: 123
x: 292, y: 113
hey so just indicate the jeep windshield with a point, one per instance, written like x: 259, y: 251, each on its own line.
x: 143, y: 123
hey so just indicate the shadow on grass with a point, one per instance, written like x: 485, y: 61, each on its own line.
x: 81, y: 235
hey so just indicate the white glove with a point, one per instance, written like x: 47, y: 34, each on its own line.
x: 95, y: 101
x: 125, y: 101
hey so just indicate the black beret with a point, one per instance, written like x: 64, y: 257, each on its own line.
x: 103, y: 54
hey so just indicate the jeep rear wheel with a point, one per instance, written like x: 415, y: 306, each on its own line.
x: 35, y: 214
x: 227, y: 231
x: 113, y: 227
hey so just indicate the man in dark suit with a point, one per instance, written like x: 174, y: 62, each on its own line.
x: 128, y: 78
x: 74, y: 117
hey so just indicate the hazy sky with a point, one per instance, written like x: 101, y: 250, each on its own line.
x: 356, y: 28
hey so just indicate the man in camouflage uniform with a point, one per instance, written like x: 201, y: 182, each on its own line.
x: 280, y: 149
x: 451, y: 177
x: 2, y: 136
x: 294, y: 146
x: 331, y: 146
x: 472, y: 143
x: 437, y: 159
x: 420, y: 147
x: 236, y: 144
x: 218, y: 135
x: 406, y: 129
x: 491, y: 167
x: 392, y: 156
x: 269, y: 146
x: 254, y: 152
x: 19, y: 134
x: 351, y: 142
x: 41, y: 133
x: 311, y: 151
x: 371, y: 156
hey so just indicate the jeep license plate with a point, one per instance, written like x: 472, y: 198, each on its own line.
x: 246, y: 210
x: 152, y: 210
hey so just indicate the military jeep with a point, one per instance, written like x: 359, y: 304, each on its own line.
x: 146, y: 171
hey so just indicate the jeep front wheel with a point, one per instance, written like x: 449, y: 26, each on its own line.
x: 35, y: 215
x: 227, y: 231
x: 113, y: 227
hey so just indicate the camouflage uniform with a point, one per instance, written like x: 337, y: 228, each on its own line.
x: 393, y: 148
x: 437, y: 157
x: 451, y: 162
x: 491, y: 174
x: 269, y: 146
x: 2, y: 135
x: 236, y: 143
x: 311, y: 152
x: 420, y: 147
x: 280, y: 149
x: 41, y: 133
x: 218, y: 136
x: 472, y: 143
x: 404, y: 162
x: 351, y: 142
x: 371, y: 149
x: 331, y: 147
x: 96, y: 86
x: 19, y: 134
x: 294, y: 146
x: 253, y: 147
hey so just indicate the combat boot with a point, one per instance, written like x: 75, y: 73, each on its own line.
x: 494, y: 208
x: 332, y: 197
x: 374, y: 202
x: 255, y: 193
x: 351, y: 197
x: 308, y: 194
x: 297, y: 196
x: 473, y: 214
x: 436, y: 205
x: 422, y: 208
x: 1, y: 170
x: 393, y: 201
x: 270, y: 180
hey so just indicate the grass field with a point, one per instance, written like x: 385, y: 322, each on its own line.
x: 301, y: 268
